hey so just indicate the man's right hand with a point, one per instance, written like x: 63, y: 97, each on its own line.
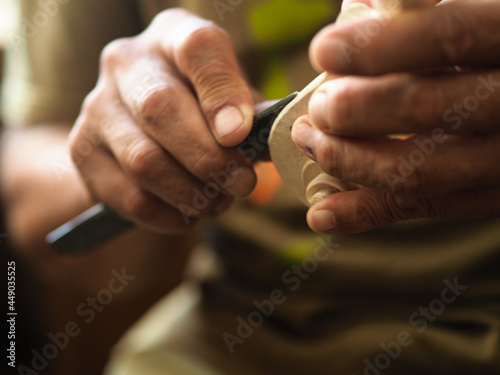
x: 155, y: 138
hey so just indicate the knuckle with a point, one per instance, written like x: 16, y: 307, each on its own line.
x: 373, y: 212
x: 80, y: 146
x: 212, y: 71
x: 405, y: 176
x: 208, y: 36
x: 168, y: 16
x: 115, y: 52
x: 399, y: 208
x: 90, y: 103
x: 156, y: 103
x: 92, y: 108
x: 85, y: 135
x: 75, y: 150
x: 454, y: 34
x: 425, y: 98
x: 164, y: 16
x: 144, y: 159
x: 403, y: 207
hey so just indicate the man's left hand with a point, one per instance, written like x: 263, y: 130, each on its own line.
x: 396, y: 75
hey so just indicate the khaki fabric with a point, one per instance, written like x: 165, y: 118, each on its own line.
x: 420, y: 297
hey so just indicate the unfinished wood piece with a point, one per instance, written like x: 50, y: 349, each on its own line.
x: 286, y: 156
x: 302, y: 175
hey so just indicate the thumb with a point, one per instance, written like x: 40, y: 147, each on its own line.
x: 204, y: 54
x: 361, y: 210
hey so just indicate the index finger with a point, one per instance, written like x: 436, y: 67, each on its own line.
x: 453, y: 33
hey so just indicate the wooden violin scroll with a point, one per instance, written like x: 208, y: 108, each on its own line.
x: 286, y: 156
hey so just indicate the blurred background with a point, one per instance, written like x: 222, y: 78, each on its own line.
x: 7, y: 17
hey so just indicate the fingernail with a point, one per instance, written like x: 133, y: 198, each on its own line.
x: 323, y: 220
x: 241, y: 182
x: 230, y: 118
x: 302, y: 135
x: 332, y: 54
x: 317, y: 110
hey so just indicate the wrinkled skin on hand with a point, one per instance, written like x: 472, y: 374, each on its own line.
x: 155, y: 138
x: 401, y: 77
